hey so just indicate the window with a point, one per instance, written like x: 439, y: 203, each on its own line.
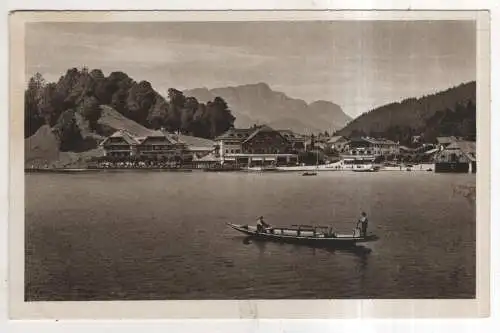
x: 232, y: 151
x: 227, y: 151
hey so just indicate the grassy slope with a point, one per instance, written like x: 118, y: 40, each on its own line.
x: 112, y: 119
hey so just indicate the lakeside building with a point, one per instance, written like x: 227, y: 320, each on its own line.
x: 254, y: 147
x: 315, y: 142
x: 197, y: 147
x: 458, y: 156
x: 445, y: 141
x: 371, y: 146
x: 120, y: 144
x: 257, y: 146
x: 338, y: 143
x: 157, y: 144
x: 297, y: 141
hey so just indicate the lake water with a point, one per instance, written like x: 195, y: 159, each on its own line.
x: 162, y: 235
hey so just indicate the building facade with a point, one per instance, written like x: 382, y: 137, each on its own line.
x: 296, y: 141
x: 260, y: 145
x: 120, y: 144
x: 159, y: 145
x: 338, y: 143
x: 266, y: 140
x: 458, y: 156
x: 372, y: 146
x: 156, y: 145
x: 445, y: 141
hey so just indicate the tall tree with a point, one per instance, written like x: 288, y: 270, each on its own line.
x: 141, y: 98
x: 190, y: 107
x: 220, y: 116
x: 158, y: 113
x: 91, y: 111
x: 32, y: 95
x: 68, y: 132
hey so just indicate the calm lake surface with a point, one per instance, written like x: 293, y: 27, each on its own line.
x: 162, y: 235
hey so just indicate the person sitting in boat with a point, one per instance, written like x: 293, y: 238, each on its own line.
x: 262, y: 225
x: 363, y: 220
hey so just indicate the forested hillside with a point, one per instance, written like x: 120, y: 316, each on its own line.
x: 449, y: 112
x: 82, y: 93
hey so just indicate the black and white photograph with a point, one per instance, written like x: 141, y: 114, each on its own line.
x: 315, y: 159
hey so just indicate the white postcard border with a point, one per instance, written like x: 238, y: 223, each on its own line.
x: 248, y: 308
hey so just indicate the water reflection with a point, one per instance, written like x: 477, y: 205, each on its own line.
x: 359, y: 251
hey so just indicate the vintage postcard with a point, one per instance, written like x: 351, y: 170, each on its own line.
x: 292, y: 164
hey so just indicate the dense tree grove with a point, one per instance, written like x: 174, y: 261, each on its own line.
x: 458, y: 121
x: 68, y: 132
x: 83, y: 91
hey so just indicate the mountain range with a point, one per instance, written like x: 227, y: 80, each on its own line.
x: 259, y: 104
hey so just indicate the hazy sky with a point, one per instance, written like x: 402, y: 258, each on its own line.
x: 356, y: 64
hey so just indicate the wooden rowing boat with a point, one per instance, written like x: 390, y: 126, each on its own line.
x: 304, y: 234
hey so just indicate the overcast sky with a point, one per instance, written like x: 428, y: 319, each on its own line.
x: 356, y: 64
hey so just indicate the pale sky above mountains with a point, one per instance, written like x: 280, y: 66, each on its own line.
x: 356, y: 64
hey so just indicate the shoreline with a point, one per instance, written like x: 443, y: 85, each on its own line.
x: 91, y: 170
x: 280, y: 170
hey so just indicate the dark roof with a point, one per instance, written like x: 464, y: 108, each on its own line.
x: 236, y: 133
x: 260, y: 129
x: 244, y: 134
x: 159, y: 134
x: 129, y: 138
x: 136, y: 140
x: 466, y: 147
x: 290, y: 135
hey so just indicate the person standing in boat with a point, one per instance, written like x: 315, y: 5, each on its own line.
x: 363, y: 220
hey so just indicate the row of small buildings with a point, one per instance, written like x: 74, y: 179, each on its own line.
x: 257, y: 145
x: 255, y: 141
x: 243, y: 146
x: 263, y: 145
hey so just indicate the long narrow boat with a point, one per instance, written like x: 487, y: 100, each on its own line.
x: 304, y: 234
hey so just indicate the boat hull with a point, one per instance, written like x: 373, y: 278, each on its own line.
x: 339, y: 241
